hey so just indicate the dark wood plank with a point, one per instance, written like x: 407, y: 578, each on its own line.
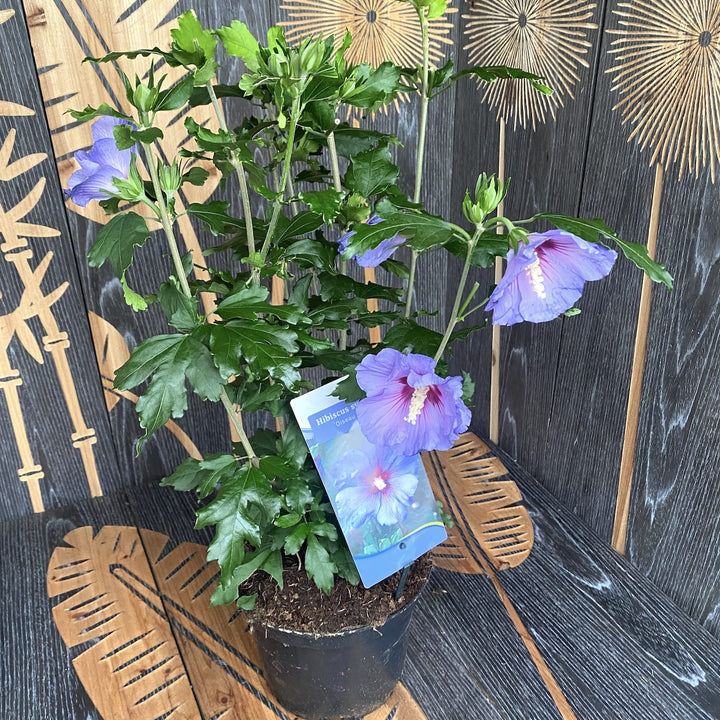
x: 673, y: 528
x: 616, y: 645
x: 54, y: 427
x: 39, y: 682
x: 579, y: 457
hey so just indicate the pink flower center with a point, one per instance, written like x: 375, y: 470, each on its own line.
x: 379, y: 483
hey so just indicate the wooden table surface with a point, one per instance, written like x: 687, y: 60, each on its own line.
x: 105, y: 615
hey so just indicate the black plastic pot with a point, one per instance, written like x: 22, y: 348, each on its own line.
x: 343, y: 675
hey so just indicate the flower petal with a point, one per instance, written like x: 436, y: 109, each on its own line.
x: 375, y: 371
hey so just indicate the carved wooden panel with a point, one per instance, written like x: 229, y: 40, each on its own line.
x: 147, y: 642
x: 58, y: 446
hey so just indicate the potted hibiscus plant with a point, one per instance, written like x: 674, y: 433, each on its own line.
x: 331, y: 202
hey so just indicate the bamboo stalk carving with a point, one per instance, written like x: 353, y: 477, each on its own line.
x: 34, y: 303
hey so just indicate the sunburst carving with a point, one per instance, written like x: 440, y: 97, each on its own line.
x: 381, y: 29
x: 667, y: 73
x: 545, y: 37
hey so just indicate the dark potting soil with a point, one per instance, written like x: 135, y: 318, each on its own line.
x: 301, y: 606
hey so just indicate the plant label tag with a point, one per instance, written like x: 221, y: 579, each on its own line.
x: 383, y: 501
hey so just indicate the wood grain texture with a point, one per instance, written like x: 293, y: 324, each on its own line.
x: 58, y: 441
x: 673, y: 527
x: 485, y: 506
x: 642, y: 657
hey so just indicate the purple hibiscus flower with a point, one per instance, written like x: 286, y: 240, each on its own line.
x: 546, y: 277
x: 376, y: 484
x: 408, y: 407
x: 99, y: 165
x: 373, y: 258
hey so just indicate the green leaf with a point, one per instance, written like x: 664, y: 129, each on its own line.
x: 132, y: 54
x: 196, y: 176
x: 249, y: 302
x: 191, y: 43
x: 310, y: 253
x: 248, y: 490
x: 177, y: 96
x: 490, y: 73
x: 319, y: 566
x: 346, y: 567
x: 297, y: 495
x: 245, y: 602
x: 371, y: 172
x: 348, y: 389
x: 287, y: 521
x: 489, y: 246
x: 180, y: 310
x: 213, y: 471
x: 266, y: 348
x: 187, y: 476
x: 423, y: 232
x: 323, y: 202
x: 203, y: 375
x: 301, y: 224
x: 273, y: 566
x: 436, y: 8
x: 293, y: 447
x: 407, y: 335
x: 592, y: 230
x: 335, y: 287
x: 144, y: 360
x: 166, y: 395
x: 116, y: 242
x: 214, y: 215
x: 294, y: 541
x: 90, y: 113
x: 350, y: 141
x: 240, y: 42
x: 468, y: 389
x: 374, y: 87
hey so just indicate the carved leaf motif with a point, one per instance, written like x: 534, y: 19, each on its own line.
x: 485, y: 505
x: 156, y: 647
x: 111, y: 352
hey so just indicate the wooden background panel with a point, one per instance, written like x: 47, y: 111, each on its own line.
x: 675, y: 513
x: 546, y: 170
x: 53, y: 418
x: 205, y: 425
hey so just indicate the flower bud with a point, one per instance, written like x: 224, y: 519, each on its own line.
x: 144, y: 98
x: 131, y: 188
x: 170, y: 178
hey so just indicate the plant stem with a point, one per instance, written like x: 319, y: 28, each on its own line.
x: 167, y: 224
x: 455, y: 315
x: 420, y: 154
x: 239, y: 170
x: 287, y: 161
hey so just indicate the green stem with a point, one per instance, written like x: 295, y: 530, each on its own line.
x: 167, y: 224
x: 455, y: 314
x: 287, y: 161
x: 239, y: 170
x: 420, y: 154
